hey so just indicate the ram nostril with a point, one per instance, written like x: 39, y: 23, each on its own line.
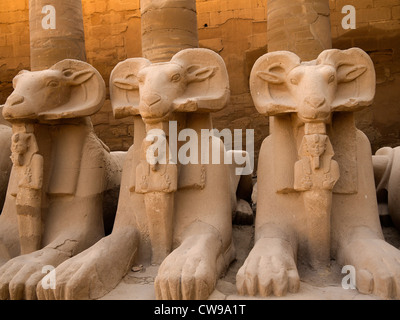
x: 315, y: 102
x: 151, y: 99
x: 14, y: 100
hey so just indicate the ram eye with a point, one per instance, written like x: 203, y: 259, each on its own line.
x: 176, y: 77
x: 331, y: 79
x: 294, y: 81
x: 53, y: 83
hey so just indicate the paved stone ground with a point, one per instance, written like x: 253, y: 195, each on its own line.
x: 140, y: 285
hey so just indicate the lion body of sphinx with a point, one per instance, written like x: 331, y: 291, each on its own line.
x: 62, y: 197
x: 316, y: 192
x: 387, y: 179
x: 285, y: 213
x: 191, y: 202
x: 5, y: 161
x: 76, y: 176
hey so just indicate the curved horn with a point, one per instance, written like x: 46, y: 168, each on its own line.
x: 207, y: 81
x: 124, y: 87
x: 88, y: 91
x: 356, y: 78
x: 268, y: 83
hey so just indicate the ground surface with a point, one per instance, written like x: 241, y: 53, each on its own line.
x: 140, y: 285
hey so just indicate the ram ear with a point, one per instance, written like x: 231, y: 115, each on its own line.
x: 124, y: 87
x: 272, y: 77
x: 198, y: 73
x: 347, y: 73
x: 126, y: 84
x: 356, y: 78
x: 268, y: 83
x: 207, y: 79
x: 88, y: 91
x: 78, y: 78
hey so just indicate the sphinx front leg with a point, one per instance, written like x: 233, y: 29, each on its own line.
x: 96, y: 271
x: 359, y: 235
x: 376, y: 263
x: 9, y: 239
x: 20, y: 275
x: 270, y: 267
x: 191, y: 271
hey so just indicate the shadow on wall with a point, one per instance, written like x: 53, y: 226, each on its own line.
x: 381, y: 123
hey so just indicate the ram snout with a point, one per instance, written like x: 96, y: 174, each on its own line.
x: 15, y: 107
x: 315, y: 89
x: 153, y: 107
x: 315, y: 109
x: 159, y: 86
x: 14, y: 100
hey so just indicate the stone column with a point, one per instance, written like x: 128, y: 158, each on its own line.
x: 168, y: 26
x: 55, y: 34
x: 300, y: 26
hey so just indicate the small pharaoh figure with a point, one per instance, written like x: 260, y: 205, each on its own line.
x: 157, y: 179
x: 316, y: 169
x: 316, y: 175
x: 155, y: 171
x: 28, y: 165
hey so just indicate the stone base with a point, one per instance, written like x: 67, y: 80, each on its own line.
x: 140, y: 285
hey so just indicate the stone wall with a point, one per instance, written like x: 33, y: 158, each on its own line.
x: 236, y: 29
x: 112, y: 31
x: 14, y: 43
x: 378, y: 33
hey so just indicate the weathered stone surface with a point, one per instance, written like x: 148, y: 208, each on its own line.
x: 378, y: 33
x: 313, y: 286
x: 308, y: 210
x: 171, y: 224
x: 302, y: 27
x: 65, y: 41
x: 238, y: 31
x: 61, y: 171
x: 5, y: 160
x: 244, y: 214
x: 167, y: 29
x: 387, y: 178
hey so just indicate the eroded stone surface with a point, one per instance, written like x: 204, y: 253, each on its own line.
x: 196, y: 200
x: 387, y: 174
x: 5, y: 159
x: 54, y: 204
x: 313, y: 286
x: 338, y: 218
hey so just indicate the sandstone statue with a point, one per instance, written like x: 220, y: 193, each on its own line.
x: 61, y: 170
x: 176, y: 215
x: 5, y: 158
x: 387, y: 178
x: 28, y: 167
x: 316, y: 195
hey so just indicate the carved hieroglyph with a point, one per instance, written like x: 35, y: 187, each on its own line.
x: 176, y: 214
x: 315, y: 174
x: 54, y: 204
x: 387, y: 178
x: 28, y: 167
x: 316, y: 195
